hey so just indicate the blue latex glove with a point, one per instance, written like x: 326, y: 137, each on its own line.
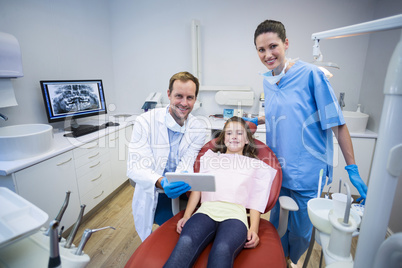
x: 252, y: 120
x: 174, y: 189
x: 357, y: 182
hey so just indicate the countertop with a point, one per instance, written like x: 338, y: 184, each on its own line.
x: 61, y: 145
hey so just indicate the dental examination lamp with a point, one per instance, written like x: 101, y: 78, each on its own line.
x: 318, y: 56
x: 387, y: 161
x: 318, y: 60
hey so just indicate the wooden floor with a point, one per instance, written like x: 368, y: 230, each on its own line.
x: 109, y: 248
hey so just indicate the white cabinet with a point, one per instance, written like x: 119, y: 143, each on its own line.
x: 118, y: 150
x: 260, y: 135
x: 45, y: 185
x: 364, y: 151
x: 91, y: 172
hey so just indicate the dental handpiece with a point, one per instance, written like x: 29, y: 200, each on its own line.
x: 64, y: 207
x: 85, y: 237
x: 62, y: 210
x: 71, y: 236
x: 54, y: 257
x: 348, y: 204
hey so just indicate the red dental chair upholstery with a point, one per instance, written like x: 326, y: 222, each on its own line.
x: 156, y: 249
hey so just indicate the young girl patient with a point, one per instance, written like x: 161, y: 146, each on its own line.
x: 242, y: 181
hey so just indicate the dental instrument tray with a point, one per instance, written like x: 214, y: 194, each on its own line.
x: 18, y: 217
x: 198, y: 181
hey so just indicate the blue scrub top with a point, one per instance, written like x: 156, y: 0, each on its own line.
x: 299, y: 114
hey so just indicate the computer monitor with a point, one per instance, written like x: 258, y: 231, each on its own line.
x: 71, y: 99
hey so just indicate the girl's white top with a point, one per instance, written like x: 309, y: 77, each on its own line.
x: 238, y: 179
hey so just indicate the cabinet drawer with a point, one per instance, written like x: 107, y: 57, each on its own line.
x: 113, y: 139
x: 96, y: 195
x: 94, y: 165
x: 85, y: 149
x: 89, y: 157
x: 91, y: 180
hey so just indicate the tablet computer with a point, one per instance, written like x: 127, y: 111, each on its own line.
x: 198, y: 181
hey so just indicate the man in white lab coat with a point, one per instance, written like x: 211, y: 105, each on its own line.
x: 164, y: 140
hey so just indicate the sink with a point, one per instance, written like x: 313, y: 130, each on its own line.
x: 356, y: 121
x: 318, y: 210
x: 23, y: 141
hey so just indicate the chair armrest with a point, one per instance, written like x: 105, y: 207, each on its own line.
x: 287, y: 204
x: 175, y: 202
x: 176, y: 205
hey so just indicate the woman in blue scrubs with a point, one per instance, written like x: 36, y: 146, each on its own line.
x: 301, y: 112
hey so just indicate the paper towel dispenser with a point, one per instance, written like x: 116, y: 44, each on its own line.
x: 10, y: 57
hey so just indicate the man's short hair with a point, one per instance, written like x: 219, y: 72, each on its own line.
x: 184, y: 77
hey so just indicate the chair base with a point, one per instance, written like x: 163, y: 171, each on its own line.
x: 156, y: 249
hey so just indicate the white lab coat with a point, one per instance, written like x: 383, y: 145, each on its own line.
x: 148, y: 153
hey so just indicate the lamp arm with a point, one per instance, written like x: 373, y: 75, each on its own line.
x: 383, y: 24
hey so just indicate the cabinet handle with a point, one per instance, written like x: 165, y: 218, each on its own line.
x: 95, y: 165
x: 62, y: 163
x: 99, y: 195
x: 97, y: 178
x: 93, y: 156
x: 96, y: 144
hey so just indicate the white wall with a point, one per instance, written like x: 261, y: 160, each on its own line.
x: 381, y: 47
x: 135, y: 46
x: 151, y: 41
x: 59, y: 40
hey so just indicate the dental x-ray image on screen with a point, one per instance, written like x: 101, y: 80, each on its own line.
x: 74, y: 98
x: 77, y: 98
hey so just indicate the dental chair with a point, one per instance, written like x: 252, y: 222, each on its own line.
x: 156, y: 249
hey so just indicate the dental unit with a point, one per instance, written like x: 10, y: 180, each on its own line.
x: 72, y: 234
x: 85, y: 237
x: 62, y: 210
x: 342, y: 229
x: 54, y: 258
x: 386, y: 167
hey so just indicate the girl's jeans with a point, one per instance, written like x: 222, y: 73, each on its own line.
x: 230, y: 237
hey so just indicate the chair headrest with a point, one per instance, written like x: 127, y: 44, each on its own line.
x: 252, y: 126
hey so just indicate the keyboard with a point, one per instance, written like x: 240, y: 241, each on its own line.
x: 84, y: 131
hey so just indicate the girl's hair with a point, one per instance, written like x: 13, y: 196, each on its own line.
x: 249, y: 149
x: 271, y: 26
